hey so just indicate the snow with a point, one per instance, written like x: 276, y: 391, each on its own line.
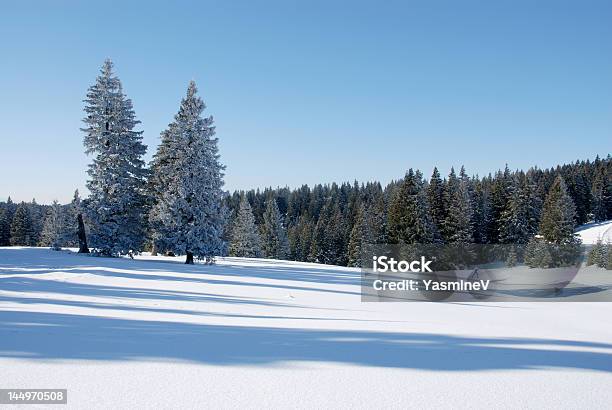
x: 593, y: 232
x: 253, y: 333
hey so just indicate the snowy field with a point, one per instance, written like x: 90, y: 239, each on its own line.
x: 591, y: 233
x: 154, y: 333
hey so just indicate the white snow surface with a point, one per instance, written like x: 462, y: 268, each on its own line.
x: 252, y: 333
x: 593, y: 232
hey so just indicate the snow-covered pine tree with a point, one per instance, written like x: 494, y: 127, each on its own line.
x: 376, y: 221
x: 558, y: 215
x: 5, y: 228
x: 53, y: 232
x: 435, y: 197
x: 598, y: 254
x: 71, y: 225
x: 601, y: 194
x: 515, y: 226
x: 116, y: 205
x: 245, y: 240
x: 274, y: 234
x: 409, y: 221
x: 163, y: 167
x: 300, y: 239
x: 358, y: 238
x: 459, y: 220
x: 500, y: 194
x: 188, y: 215
x: 21, y: 227
x: 482, y: 211
x: 37, y: 216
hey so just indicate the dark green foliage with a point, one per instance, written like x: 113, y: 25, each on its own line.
x: 601, y: 193
x: 435, y: 197
x: 22, y: 233
x: 409, y: 220
x: 558, y: 215
x: 504, y: 207
x: 329, y: 223
x: 358, y: 238
x: 458, y: 225
x: 274, y: 233
x: 5, y: 228
x: 600, y: 255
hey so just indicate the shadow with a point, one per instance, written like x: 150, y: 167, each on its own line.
x: 26, y: 284
x: 29, y: 261
x: 97, y: 338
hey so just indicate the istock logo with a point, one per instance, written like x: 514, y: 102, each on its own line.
x: 383, y: 264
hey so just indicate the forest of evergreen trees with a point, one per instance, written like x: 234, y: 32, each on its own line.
x: 176, y: 205
x: 329, y: 223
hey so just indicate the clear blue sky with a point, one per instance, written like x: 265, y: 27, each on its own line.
x: 312, y: 91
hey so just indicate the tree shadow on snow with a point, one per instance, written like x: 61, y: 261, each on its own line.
x: 42, y: 261
x: 59, y: 336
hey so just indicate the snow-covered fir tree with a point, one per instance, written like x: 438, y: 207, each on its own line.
x: 601, y: 194
x: 21, y: 227
x: 37, y: 217
x: 409, y: 221
x: 116, y: 205
x: 558, y: 215
x: 500, y: 195
x: 71, y: 225
x: 245, y: 240
x: 599, y: 254
x: 435, y: 198
x: 187, y: 215
x: 274, y: 233
x: 5, y: 228
x: 163, y: 168
x: 376, y: 220
x: 459, y: 220
x: 300, y: 239
x: 519, y: 222
x: 54, y: 230
x: 482, y: 211
x: 358, y: 238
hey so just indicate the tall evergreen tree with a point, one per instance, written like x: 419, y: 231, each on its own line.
x: 500, y: 195
x: 459, y: 221
x: 358, y: 238
x: 601, y: 194
x: 482, y: 211
x: 376, y: 220
x: 245, y: 241
x: 435, y: 197
x: 558, y: 215
x: 5, y: 228
x: 21, y: 227
x: 188, y: 213
x: 518, y: 222
x: 37, y: 217
x: 53, y: 232
x: 71, y: 218
x: 274, y: 233
x: 116, y: 205
x: 409, y: 221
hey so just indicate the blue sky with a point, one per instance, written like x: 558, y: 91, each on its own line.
x: 312, y: 91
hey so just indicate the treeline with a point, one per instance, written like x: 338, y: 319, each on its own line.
x: 329, y: 223
x: 33, y: 224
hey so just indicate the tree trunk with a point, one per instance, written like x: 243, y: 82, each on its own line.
x: 82, y: 237
x: 189, y: 260
x: 154, y: 249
